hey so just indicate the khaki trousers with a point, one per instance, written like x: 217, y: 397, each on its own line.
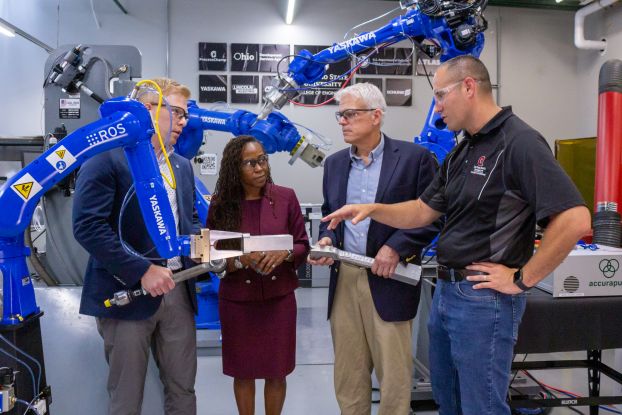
x: 171, y: 335
x: 362, y: 342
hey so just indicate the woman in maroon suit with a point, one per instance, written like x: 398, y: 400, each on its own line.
x: 256, y: 298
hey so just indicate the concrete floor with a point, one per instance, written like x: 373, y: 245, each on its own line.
x: 77, y: 371
x: 310, y: 387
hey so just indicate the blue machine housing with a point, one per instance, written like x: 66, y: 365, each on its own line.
x: 306, y: 68
x: 125, y: 123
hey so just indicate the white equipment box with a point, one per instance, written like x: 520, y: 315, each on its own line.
x: 587, y: 273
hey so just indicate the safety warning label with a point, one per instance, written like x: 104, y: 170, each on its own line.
x: 60, y: 159
x: 26, y: 187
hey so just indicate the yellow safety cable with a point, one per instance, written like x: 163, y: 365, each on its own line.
x: 157, y: 129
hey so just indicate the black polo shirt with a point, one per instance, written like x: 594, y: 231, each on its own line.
x: 493, y: 188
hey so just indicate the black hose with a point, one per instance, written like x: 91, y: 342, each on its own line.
x: 607, y: 228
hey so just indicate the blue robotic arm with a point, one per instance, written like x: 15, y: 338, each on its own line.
x: 455, y: 27
x: 125, y: 123
x: 275, y: 132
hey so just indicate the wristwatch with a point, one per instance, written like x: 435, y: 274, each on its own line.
x: 237, y: 263
x: 518, y: 280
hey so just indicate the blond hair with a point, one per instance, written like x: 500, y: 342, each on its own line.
x: 168, y: 86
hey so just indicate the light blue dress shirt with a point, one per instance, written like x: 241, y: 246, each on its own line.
x: 362, y: 187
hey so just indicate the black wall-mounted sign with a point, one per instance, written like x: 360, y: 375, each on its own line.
x: 266, y: 83
x: 326, y: 87
x: 253, y: 57
x: 244, y: 89
x: 212, y: 56
x: 213, y: 88
x: 271, y: 55
x: 244, y: 57
x: 429, y: 65
x: 374, y: 81
x: 389, y: 61
x: 399, y: 92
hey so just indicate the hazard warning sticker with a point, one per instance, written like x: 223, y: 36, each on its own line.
x: 26, y: 187
x: 60, y: 158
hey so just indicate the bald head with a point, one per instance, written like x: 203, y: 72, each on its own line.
x: 465, y: 66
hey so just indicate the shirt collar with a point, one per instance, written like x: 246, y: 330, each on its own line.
x: 494, y: 123
x: 373, y: 155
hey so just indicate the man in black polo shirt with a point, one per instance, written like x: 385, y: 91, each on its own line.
x: 493, y: 188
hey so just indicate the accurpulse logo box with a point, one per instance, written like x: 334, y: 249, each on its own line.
x: 587, y: 273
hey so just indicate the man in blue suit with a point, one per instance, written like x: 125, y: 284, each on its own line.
x: 370, y: 315
x: 163, y: 321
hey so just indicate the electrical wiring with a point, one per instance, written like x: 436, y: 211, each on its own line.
x: 47, y: 76
x: 573, y: 395
x: 18, y: 360
x: 545, y: 390
x: 167, y: 139
x: 351, y: 73
x: 384, y: 45
x: 126, y: 247
x: 326, y: 142
x: 345, y: 83
x: 609, y: 408
x: 346, y: 35
x: 171, y: 182
x: 315, y: 86
x: 106, y: 65
x: 28, y: 406
x: 425, y: 70
x: 38, y: 387
x: 516, y: 371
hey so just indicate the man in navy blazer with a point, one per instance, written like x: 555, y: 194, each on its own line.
x: 163, y: 321
x: 371, y: 315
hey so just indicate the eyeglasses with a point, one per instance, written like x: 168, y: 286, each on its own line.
x: 178, y: 112
x: 350, y: 114
x: 250, y: 164
x: 441, y: 94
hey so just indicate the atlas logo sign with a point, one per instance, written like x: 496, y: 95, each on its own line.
x: 352, y: 42
x: 114, y: 132
x: 157, y: 213
x: 214, y: 120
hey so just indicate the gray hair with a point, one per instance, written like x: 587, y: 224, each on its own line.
x: 369, y: 93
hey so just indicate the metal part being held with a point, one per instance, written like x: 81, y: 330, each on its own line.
x: 406, y: 273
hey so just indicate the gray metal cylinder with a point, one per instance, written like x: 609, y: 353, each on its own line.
x: 610, y: 77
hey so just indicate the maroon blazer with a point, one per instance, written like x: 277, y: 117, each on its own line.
x: 280, y: 214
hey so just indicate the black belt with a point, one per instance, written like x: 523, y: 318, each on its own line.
x: 455, y: 274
